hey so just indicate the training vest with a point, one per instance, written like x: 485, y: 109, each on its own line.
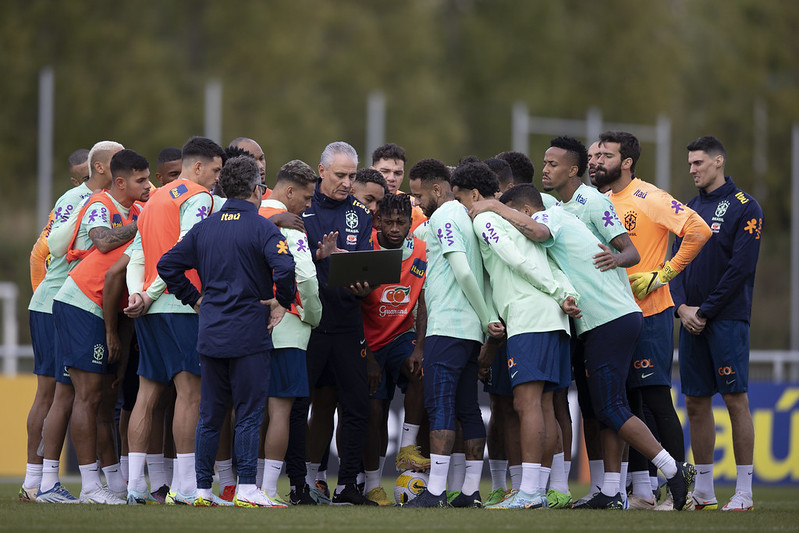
x: 267, y: 212
x: 89, y: 274
x: 159, y: 225
x: 388, y: 310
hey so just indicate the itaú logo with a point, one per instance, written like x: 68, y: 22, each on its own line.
x: 726, y: 371
x: 396, y: 295
x: 643, y: 363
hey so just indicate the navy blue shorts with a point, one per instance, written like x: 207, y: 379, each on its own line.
x: 167, y: 345
x: 43, y: 340
x: 540, y: 357
x: 288, y: 373
x: 608, y: 351
x: 391, y: 357
x: 498, y: 379
x: 580, y: 379
x: 654, y: 355
x: 83, y: 336
x: 449, y: 377
x: 716, y: 360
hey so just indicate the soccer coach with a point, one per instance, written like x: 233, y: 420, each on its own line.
x: 238, y: 255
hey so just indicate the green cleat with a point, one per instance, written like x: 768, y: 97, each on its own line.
x: 559, y: 500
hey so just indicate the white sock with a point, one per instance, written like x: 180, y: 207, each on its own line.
x: 557, y: 478
x: 188, y: 476
x: 408, y: 434
x: 33, y: 475
x: 623, y: 480
x: 567, y: 469
x: 641, y: 486
x: 439, y: 467
x: 610, y: 485
x: 744, y: 480
x: 544, y: 477
x: 155, y: 469
x: 597, y: 471
x: 169, y: 470
x: 704, y: 482
x: 248, y: 490
x: 49, y: 474
x: 205, y: 494
x: 471, y: 479
x: 175, y: 485
x: 653, y: 482
x: 457, y: 471
x: 136, y: 479
x: 531, y: 478
x: 372, y: 480
x: 89, y: 477
x: 360, y: 478
x: 123, y: 467
x: 499, y: 473
x: 310, y: 472
x: 259, y: 473
x: 515, y: 476
x: 381, y: 464
x: 321, y: 476
x: 666, y: 464
x: 227, y: 476
x: 114, y: 479
x: 271, y: 473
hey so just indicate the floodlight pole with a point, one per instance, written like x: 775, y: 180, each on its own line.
x: 213, y: 110
x: 45, y: 145
x: 375, y: 124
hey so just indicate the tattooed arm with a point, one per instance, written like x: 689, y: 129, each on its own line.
x: 106, y: 239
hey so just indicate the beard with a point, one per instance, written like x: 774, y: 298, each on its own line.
x: 603, y: 177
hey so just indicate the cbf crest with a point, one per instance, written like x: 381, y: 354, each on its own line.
x: 721, y: 209
x: 351, y: 221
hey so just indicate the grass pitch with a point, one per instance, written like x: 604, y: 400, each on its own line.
x: 776, y: 509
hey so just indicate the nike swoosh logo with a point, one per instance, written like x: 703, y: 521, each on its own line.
x: 514, y: 374
x: 439, y: 462
x: 730, y: 382
x: 644, y: 376
x: 705, y: 472
x: 306, y: 215
x: 362, y: 341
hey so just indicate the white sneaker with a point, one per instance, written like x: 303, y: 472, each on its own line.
x: 739, y: 502
x: 667, y: 505
x: 639, y: 502
x: 101, y: 495
x: 256, y: 498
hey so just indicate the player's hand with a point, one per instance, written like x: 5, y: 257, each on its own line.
x: 374, y: 374
x: 496, y: 330
x: 276, y: 313
x: 138, y: 305
x: 643, y: 283
x: 288, y: 220
x: 606, y: 259
x: 114, y: 346
x: 200, y: 301
x: 327, y: 246
x: 487, y: 353
x: 361, y: 290
x: 414, y: 362
x: 481, y: 206
x: 569, y: 307
x: 692, y: 323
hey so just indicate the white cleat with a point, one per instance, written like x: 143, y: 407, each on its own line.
x: 101, y: 495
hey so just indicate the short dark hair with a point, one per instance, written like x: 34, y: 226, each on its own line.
x: 234, y: 151
x: 522, y: 193
x: 399, y: 203
x: 502, y: 169
x: 429, y: 170
x: 370, y: 175
x: 127, y: 161
x: 628, y: 145
x: 478, y: 176
x: 468, y: 159
x: 388, y: 151
x: 297, y: 172
x: 201, y: 148
x: 78, y: 157
x: 169, y: 154
x: 520, y: 164
x: 576, y: 151
x: 239, y: 177
x: 708, y: 144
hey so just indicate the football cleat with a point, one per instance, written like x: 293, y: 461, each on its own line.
x: 160, y: 494
x: 28, y: 494
x: 426, y: 499
x: 410, y: 458
x: 378, y: 495
x: 176, y: 497
x: 523, y: 500
x: 228, y: 493
x: 601, y: 501
x: 739, y: 502
x: 464, y: 501
x: 256, y: 499
x: 559, y: 500
x: 140, y: 497
x: 321, y: 486
x: 351, y: 495
x: 681, y: 483
x: 213, y: 501
x: 704, y: 504
x: 302, y: 496
x: 638, y: 502
x: 58, y: 494
x: 451, y: 495
x: 594, y: 492
x: 101, y: 495
x: 496, y: 496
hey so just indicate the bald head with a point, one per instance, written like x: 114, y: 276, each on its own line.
x: 249, y: 145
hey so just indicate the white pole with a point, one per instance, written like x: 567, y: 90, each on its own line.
x: 8, y: 293
x: 45, y: 145
x: 794, y: 237
x: 519, y: 128
x: 213, y: 110
x: 663, y: 153
x: 375, y: 124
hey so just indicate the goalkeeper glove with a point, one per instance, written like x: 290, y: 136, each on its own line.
x: 643, y: 283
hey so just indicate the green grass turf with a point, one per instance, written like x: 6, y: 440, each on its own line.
x: 776, y: 509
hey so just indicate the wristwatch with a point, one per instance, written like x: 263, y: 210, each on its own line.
x: 700, y: 314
